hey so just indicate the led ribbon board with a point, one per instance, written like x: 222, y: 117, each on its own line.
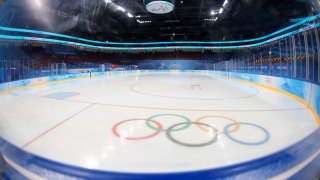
x: 159, y: 6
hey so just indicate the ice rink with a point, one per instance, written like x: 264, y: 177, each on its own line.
x: 153, y: 123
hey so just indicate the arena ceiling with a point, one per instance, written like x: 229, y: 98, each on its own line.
x: 128, y: 20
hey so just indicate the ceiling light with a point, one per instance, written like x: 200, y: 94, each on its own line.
x: 213, y: 12
x: 129, y: 15
x: 38, y: 3
x: 221, y: 10
x: 225, y: 3
x: 143, y: 22
x: 120, y: 8
x: 107, y: 1
x: 212, y: 19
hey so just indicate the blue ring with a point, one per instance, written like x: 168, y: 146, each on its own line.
x: 266, y: 139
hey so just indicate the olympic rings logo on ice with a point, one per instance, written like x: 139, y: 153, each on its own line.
x: 232, y: 127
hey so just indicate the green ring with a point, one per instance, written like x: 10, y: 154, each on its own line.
x: 178, y: 129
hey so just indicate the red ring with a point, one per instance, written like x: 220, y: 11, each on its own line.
x: 115, y: 131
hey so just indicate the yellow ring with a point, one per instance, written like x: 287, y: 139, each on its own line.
x: 236, y: 127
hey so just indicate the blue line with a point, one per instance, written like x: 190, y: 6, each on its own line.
x: 305, y: 20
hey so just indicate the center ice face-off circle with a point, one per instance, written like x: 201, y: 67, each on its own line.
x: 181, y: 91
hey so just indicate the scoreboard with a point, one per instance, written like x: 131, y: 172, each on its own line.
x: 159, y: 6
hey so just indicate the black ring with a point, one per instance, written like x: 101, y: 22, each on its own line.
x: 170, y: 129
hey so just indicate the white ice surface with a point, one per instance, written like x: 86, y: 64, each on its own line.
x: 78, y: 130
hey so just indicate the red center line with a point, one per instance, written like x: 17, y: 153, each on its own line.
x: 55, y: 126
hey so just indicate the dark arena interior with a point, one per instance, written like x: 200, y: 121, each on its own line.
x: 159, y: 89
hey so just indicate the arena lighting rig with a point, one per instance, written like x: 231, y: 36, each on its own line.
x: 119, y: 8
